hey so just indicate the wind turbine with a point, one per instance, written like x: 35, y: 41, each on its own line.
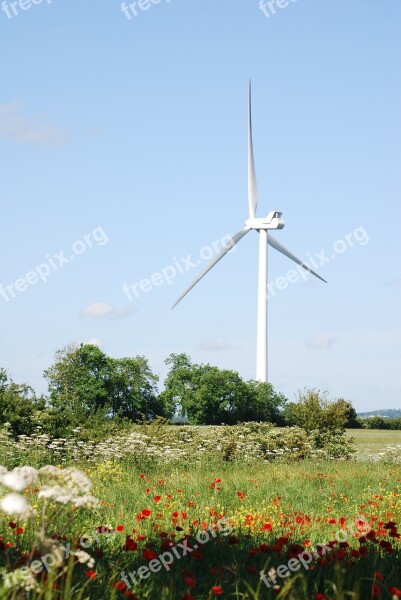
x: 272, y: 221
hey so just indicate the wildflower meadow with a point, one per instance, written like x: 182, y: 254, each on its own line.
x: 188, y: 512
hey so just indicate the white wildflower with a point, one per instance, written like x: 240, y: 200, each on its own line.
x: 13, y: 504
x: 13, y: 481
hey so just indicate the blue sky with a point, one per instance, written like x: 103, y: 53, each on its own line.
x: 133, y: 133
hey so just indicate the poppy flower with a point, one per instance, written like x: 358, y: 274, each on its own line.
x: 120, y: 527
x: 376, y: 590
x: 149, y: 555
x: 190, y: 581
x: 157, y: 498
x: 91, y: 574
x: 19, y: 530
x: 130, y: 544
x: 395, y: 591
x: 118, y: 585
x: 241, y: 495
x: 217, y: 590
x: 379, y: 576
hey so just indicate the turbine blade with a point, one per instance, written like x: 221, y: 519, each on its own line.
x: 230, y: 244
x: 252, y: 185
x: 278, y: 246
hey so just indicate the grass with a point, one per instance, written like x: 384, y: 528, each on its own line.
x: 267, y: 510
x: 373, y: 441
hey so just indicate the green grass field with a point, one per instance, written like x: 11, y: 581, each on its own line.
x: 213, y: 528
x: 373, y: 441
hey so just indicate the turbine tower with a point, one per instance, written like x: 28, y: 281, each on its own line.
x: 262, y: 225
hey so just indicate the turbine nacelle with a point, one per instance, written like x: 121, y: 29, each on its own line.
x: 272, y: 221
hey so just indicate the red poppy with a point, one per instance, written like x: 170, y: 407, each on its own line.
x: 157, y: 498
x: 379, y: 576
x: 190, y: 581
x: 395, y: 591
x: 145, y: 512
x: 320, y: 596
x: 119, y: 585
x: 241, y: 495
x: 91, y: 574
x: 129, y: 594
x: 217, y: 590
x: 130, y: 544
x: 120, y: 527
x: 376, y: 590
x: 267, y: 527
x: 149, y: 555
x: 19, y: 531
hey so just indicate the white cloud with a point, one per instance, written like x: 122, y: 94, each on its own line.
x: 216, y: 344
x: 321, y: 341
x: 22, y: 129
x: 105, y: 310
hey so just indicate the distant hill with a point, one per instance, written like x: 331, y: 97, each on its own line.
x: 384, y: 412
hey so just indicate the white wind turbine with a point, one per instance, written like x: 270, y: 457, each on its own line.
x: 272, y: 221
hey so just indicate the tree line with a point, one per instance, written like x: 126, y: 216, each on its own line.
x: 88, y: 388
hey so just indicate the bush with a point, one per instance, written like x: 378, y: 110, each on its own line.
x: 314, y: 411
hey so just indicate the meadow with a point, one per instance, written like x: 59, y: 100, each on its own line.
x: 183, y: 513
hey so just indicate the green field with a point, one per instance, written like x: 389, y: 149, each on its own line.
x: 219, y: 523
x: 373, y: 441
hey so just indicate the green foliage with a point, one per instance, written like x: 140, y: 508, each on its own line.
x: 207, y: 395
x: 380, y: 423
x: 314, y: 411
x: 85, y: 383
x: 152, y: 445
x: 19, y: 406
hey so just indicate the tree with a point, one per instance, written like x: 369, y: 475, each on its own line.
x: 350, y: 413
x: 19, y: 406
x: 133, y: 392
x: 79, y: 380
x: 266, y: 404
x: 84, y: 381
x: 314, y: 411
x: 207, y: 395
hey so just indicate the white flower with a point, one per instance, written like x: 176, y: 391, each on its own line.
x: 13, y: 481
x: 13, y: 504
